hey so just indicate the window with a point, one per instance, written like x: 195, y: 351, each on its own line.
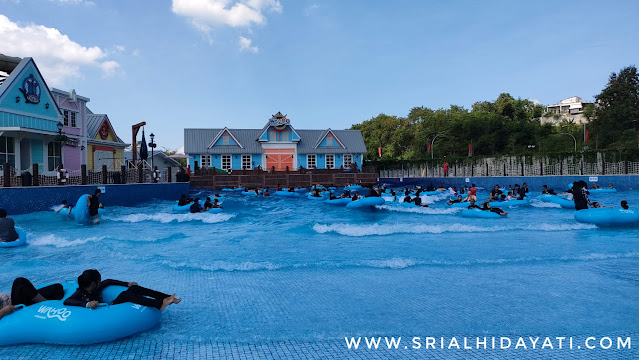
x: 226, y: 162
x: 329, y: 141
x: 272, y: 136
x: 7, y: 151
x: 225, y: 140
x: 285, y: 136
x: 73, y: 115
x: 54, y: 158
x: 206, y: 161
x: 311, y: 161
x: 66, y: 117
x: 246, y: 162
x: 348, y: 160
x: 330, y: 161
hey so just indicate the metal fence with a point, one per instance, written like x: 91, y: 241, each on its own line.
x: 517, y: 167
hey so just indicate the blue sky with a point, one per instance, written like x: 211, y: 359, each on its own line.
x: 325, y: 63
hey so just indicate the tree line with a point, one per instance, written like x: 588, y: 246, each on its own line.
x: 507, y: 126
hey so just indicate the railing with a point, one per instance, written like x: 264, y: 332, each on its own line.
x: 514, y: 167
x: 142, y: 174
x: 266, y: 180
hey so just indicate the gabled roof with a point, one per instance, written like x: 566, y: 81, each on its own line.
x: 94, y: 121
x: 196, y: 141
x: 268, y: 126
x: 329, y: 131
x: 219, y: 135
x: 15, y: 73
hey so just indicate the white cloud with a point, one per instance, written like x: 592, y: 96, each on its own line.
x: 58, y: 57
x: 245, y: 45
x: 204, y: 15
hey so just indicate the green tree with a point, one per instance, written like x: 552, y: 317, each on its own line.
x: 618, y: 109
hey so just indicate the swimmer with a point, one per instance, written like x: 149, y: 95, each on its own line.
x: 494, y: 209
x: 90, y: 286
x: 216, y: 204
x: 195, y: 207
x: 66, y: 206
x: 207, y: 204
x: 7, y: 228
x: 472, y: 205
x: 624, y: 205
x: 458, y: 200
x: 355, y: 196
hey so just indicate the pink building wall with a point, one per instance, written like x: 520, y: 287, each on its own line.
x: 73, y: 156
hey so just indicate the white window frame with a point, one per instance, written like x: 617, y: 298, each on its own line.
x: 350, y: 156
x: 332, y: 156
x: 74, y: 116
x: 247, y: 162
x: 230, y: 162
x: 66, y: 117
x: 205, y: 161
x: 311, y: 164
x: 6, y: 153
x: 56, y: 147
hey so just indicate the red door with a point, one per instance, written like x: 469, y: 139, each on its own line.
x: 279, y: 161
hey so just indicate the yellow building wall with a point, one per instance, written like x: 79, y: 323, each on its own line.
x: 90, y: 157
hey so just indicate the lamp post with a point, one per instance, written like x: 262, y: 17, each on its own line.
x: 432, y: 149
x: 573, y: 138
x: 60, y: 138
x: 152, y: 145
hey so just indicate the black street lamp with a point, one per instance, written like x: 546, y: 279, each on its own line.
x: 152, y: 145
x: 60, y: 138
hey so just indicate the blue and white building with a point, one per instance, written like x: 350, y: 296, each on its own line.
x: 277, y: 145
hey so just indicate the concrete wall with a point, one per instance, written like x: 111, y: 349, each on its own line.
x: 558, y: 183
x: 22, y: 200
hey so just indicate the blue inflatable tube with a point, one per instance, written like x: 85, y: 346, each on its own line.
x: 228, y: 190
x: 81, y: 212
x: 463, y: 204
x: 186, y: 207
x: 302, y: 190
x: 249, y: 193
x: 430, y: 193
x: 606, y: 190
x: 340, y: 201
x: 366, y: 202
x: 477, y: 213
x: 239, y: 189
x: 52, y: 322
x: 354, y: 187
x: 607, y: 217
x: 213, y: 211
x: 318, y: 187
x: 508, y: 203
x: 286, y: 194
x: 311, y: 197
x: 22, y: 240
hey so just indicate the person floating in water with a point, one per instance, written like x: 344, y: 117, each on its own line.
x: 216, y: 204
x: 455, y: 201
x: 65, y: 206
x: 473, y: 205
x: 195, y: 207
x: 624, y: 205
x: 207, y: 204
x: 355, y: 196
x: 494, y: 209
x: 90, y: 286
x: 7, y: 228
x: 24, y: 293
x: 546, y: 191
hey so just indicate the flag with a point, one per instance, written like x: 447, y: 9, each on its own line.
x: 379, y: 151
x: 429, y: 144
x: 144, y: 152
x: 470, y: 149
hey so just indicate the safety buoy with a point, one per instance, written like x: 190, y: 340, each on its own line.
x: 62, y: 175
x: 156, y: 175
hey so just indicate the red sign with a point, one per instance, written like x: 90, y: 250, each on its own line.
x: 104, y: 131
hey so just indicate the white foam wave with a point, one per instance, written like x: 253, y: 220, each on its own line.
x: 394, y: 263
x: 51, y: 239
x: 541, y: 204
x: 168, y: 217
x: 389, y: 229
x: 420, y: 210
x: 224, y: 266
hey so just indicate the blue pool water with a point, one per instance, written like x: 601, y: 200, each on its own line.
x: 269, y: 270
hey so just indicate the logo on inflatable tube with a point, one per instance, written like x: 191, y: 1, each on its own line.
x: 53, y: 313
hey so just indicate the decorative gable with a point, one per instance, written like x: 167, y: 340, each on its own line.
x: 279, y: 129
x: 105, y: 131
x: 225, y: 138
x: 329, y: 139
x: 26, y: 92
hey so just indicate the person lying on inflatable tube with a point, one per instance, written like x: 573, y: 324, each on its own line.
x: 24, y: 293
x: 90, y: 286
x: 487, y: 207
